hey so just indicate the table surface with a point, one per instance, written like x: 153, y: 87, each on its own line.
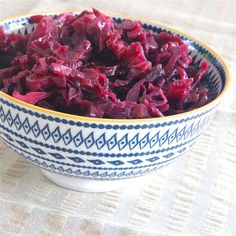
x: 194, y: 196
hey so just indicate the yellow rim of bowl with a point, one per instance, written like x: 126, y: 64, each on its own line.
x: 196, y: 111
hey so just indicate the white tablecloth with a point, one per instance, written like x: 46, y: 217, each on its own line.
x: 194, y: 196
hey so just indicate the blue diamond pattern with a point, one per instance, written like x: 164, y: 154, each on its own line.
x: 196, y: 127
x: 35, y: 129
x: 39, y: 151
x: 26, y: 126
x: 180, y: 134
x: 168, y: 155
x: 60, y: 169
x: 2, y: 114
x: 188, y: 131
x: 101, y: 141
x: 163, y: 138
x: 17, y: 122
x: 172, y: 137
x: 86, y: 173
x: 135, y: 162
x: 105, y: 174
x: 46, y: 132
x: 113, y: 174
x: 153, y: 159
x: 123, y: 142
x: 67, y: 137
x: 130, y: 173
x: 146, y: 171
x: 153, y: 141
x: 95, y: 174
x: 111, y: 143
x: 121, y: 174
x: 44, y: 164
x: 144, y: 141
x: 138, y: 172
x: 52, y: 167
x: 97, y: 162
x: 9, y: 118
x: 76, y: 159
x: 133, y: 142
x: 56, y: 135
x: 89, y: 141
x: 8, y: 137
x: 116, y: 163
x: 22, y: 144
x: 69, y: 171
x: 36, y: 162
x: 78, y: 172
x: 57, y: 155
x: 78, y: 139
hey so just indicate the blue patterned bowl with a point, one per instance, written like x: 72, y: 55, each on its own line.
x: 92, y: 154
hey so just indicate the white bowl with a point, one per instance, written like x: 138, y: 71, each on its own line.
x: 91, y: 154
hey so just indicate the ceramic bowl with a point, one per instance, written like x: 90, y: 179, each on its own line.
x: 92, y: 154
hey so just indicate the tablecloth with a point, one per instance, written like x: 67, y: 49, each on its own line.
x: 194, y: 196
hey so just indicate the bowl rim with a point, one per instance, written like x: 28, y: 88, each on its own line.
x: 193, y: 112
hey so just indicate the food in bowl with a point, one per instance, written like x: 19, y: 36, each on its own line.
x: 90, y: 65
x: 101, y: 154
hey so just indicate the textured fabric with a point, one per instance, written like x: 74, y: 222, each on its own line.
x: 194, y: 196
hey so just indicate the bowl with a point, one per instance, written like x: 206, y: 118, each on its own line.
x: 95, y: 155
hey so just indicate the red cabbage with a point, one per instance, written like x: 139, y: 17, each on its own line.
x: 89, y: 65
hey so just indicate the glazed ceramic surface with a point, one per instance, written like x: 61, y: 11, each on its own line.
x: 102, y: 149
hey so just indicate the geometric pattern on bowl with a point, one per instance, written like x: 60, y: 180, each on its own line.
x: 132, y: 152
